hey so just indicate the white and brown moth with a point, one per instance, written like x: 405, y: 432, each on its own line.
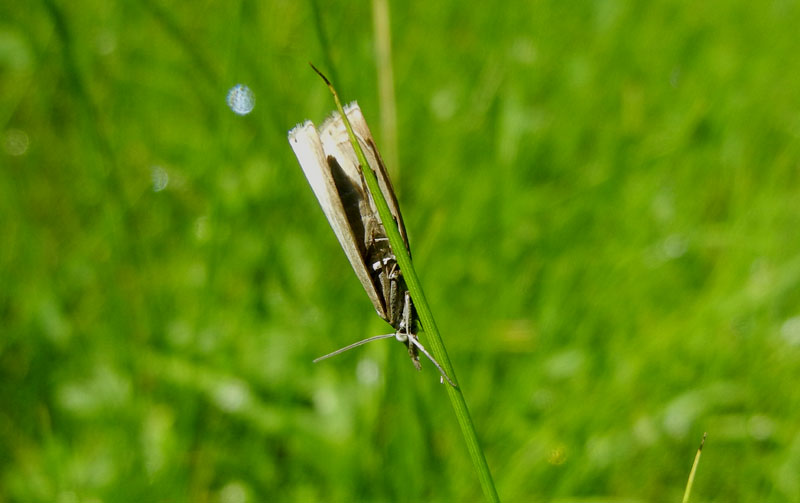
x: 332, y: 168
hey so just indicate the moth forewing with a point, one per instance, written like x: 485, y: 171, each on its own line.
x: 305, y: 141
x: 334, y: 137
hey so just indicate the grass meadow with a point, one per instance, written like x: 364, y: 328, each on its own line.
x: 603, y: 205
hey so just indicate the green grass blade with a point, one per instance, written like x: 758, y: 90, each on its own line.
x: 690, y: 482
x: 383, y: 59
x: 423, y: 310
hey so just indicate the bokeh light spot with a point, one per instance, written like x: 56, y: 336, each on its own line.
x: 241, y: 99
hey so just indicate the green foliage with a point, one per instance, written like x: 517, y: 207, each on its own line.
x: 602, y: 202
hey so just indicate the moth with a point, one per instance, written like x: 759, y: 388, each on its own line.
x: 330, y: 164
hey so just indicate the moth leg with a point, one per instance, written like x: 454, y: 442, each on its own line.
x: 405, y: 319
x: 394, y: 269
x: 413, y: 342
x: 389, y: 262
x: 419, y: 345
x: 413, y: 353
x: 405, y: 333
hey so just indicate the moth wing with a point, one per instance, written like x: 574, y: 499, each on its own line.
x: 334, y: 136
x: 305, y: 141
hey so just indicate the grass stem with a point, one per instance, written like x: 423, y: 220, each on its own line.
x: 388, y: 105
x: 423, y: 310
x: 690, y: 482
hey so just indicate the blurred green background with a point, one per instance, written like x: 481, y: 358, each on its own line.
x: 603, y: 201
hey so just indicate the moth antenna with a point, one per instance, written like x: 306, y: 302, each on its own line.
x: 431, y: 358
x: 355, y: 344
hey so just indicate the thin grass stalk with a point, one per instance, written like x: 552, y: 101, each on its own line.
x: 688, y: 491
x: 322, y: 36
x: 388, y: 104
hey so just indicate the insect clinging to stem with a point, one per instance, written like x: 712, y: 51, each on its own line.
x: 331, y: 165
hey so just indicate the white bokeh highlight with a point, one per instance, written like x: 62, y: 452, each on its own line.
x: 241, y: 99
